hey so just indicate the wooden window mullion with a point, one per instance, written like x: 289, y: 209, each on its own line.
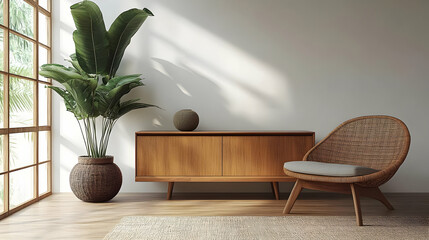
x: 6, y: 101
x: 36, y: 100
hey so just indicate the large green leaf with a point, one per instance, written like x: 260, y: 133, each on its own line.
x: 106, y: 101
x: 101, y: 102
x: 118, y: 92
x: 76, y: 66
x: 69, y: 101
x: 113, y: 112
x: 128, y: 106
x: 83, y: 92
x: 59, y: 73
x: 121, y: 80
x: 90, y: 38
x: 120, y: 33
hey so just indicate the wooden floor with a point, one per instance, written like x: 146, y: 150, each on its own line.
x: 62, y: 216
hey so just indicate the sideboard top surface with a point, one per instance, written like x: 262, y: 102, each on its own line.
x: 226, y: 133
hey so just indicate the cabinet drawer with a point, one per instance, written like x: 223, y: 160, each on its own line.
x: 262, y: 155
x: 178, y: 156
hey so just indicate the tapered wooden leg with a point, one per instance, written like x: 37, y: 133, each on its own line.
x: 293, y: 196
x: 170, y: 190
x: 380, y: 197
x: 356, y: 203
x: 375, y: 193
x: 275, y: 188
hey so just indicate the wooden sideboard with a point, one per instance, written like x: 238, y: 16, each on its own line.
x: 218, y: 156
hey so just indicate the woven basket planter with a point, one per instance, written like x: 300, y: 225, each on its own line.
x: 95, y: 179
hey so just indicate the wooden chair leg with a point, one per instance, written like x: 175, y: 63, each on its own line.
x: 356, y: 203
x: 375, y: 193
x: 293, y: 196
x: 380, y: 197
x: 275, y: 188
x: 170, y: 190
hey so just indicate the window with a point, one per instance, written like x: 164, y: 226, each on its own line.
x: 25, y: 104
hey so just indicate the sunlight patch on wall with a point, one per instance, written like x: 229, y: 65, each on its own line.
x: 156, y: 122
x: 158, y: 66
x: 183, y: 90
x: 67, y: 46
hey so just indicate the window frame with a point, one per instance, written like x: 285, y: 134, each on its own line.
x: 6, y: 130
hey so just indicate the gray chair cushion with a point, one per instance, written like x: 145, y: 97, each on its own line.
x: 327, y: 169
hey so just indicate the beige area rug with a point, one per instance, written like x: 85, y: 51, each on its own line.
x: 260, y: 227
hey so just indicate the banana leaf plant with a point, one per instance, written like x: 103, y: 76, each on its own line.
x: 90, y: 87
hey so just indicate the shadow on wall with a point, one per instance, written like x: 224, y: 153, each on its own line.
x: 185, y: 87
x: 202, y: 70
x: 189, y: 86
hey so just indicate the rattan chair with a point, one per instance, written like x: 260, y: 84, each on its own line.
x: 379, y: 143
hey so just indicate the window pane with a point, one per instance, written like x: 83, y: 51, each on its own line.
x: 2, y: 63
x: 1, y: 101
x: 44, y: 4
x: 2, y: 193
x: 43, y: 29
x: 21, y: 186
x: 43, y: 104
x: 21, y: 105
x: 21, y: 56
x: 21, y: 17
x: 21, y: 149
x: 2, y: 159
x: 1, y: 10
x: 43, y: 178
x: 44, y: 146
x: 43, y: 59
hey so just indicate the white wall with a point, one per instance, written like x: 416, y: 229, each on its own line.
x: 263, y: 65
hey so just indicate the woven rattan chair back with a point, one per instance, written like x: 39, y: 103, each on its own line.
x: 371, y: 141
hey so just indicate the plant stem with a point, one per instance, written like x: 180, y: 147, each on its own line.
x: 102, y: 136
x: 83, y: 136
x: 103, y: 144
x: 110, y: 123
x: 94, y: 132
x: 96, y: 148
x: 89, y: 137
x: 86, y: 137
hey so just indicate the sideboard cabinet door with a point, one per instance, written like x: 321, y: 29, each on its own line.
x: 262, y: 155
x: 179, y: 155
